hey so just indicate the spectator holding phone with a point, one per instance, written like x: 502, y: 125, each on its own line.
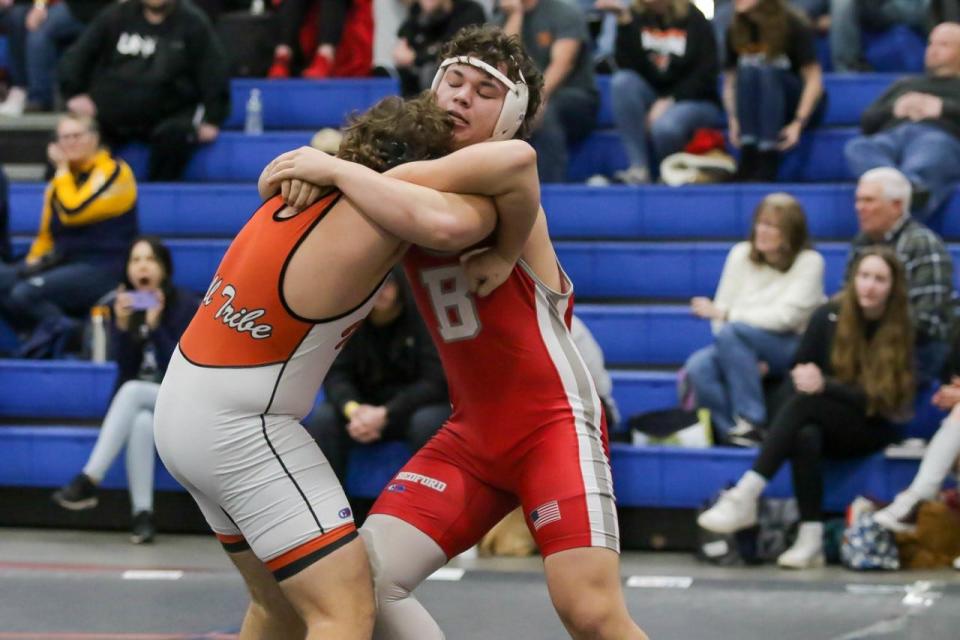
x: 89, y: 218
x: 149, y: 315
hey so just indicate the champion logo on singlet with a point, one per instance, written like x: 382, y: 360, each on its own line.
x: 240, y: 320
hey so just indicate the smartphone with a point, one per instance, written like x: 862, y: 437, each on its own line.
x: 143, y: 300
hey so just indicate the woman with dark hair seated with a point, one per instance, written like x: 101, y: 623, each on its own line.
x: 853, y: 378
x: 772, y: 85
x: 149, y: 314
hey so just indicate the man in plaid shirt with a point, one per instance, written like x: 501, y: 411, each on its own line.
x: 883, y: 198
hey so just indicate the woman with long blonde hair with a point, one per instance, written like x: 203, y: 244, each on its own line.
x: 853, y: 379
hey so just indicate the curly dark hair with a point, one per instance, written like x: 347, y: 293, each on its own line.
x: 490, y: 44
x: 395, y: 131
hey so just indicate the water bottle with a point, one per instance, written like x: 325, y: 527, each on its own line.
x: 257, y: 7
x: 254, y: 123
x: 98, y: 333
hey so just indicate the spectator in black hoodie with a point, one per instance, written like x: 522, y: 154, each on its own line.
x: 154, y: 71
x: 386, y: 384
x: 429, y: 25
x: 667, y: 84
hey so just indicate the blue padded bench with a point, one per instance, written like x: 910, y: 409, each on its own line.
x: 4, y: 52
x: 818, y: 157
x: 675, y: 270
x: 716, y: 212
x: 306, y: 104
x: 81, y: 390
x: 72, y: 389
x: 49, y: 456
x: 849, y: 95
x: 687, y: 478
x: 898, y: 49
x: 236, y: 157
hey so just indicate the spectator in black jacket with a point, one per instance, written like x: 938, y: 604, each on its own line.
x: 149, y: 314
x: 386, y: 384
x: 915, y: 126
x: 429, y: 25
x: 666, y: 87
x: 154, y: 71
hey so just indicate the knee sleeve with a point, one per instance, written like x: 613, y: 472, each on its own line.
x: 401, y: 556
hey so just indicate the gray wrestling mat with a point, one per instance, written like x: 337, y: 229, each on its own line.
x: 68, y: 585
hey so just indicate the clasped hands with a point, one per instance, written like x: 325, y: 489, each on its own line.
x: 303, y: 175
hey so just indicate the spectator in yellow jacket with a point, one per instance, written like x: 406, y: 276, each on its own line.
x: 89, y: 219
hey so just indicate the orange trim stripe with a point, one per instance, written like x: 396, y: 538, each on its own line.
x: 307, y: 548
x: 228, y: 539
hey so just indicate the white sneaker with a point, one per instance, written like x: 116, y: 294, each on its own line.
x: 956, y: 563
x: 634, y: 175
x: 732, y: 512
x: 744, y: 434
x: 15, y: 103
x: 806, y: 557
x: 807, y: 551
x: 897, y: 515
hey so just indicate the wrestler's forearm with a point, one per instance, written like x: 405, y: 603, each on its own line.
x: 414, y: 213
x: 506, y: 171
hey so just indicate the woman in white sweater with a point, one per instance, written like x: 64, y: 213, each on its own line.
x: 770, y: 286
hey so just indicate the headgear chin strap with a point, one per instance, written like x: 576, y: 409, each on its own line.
x: 514, y: 103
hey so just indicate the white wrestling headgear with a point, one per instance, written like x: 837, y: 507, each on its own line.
x: 514, y: 103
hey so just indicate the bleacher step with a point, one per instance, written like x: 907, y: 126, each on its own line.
x: 19, y: 172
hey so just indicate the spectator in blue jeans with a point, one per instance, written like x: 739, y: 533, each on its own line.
x: 772, y: 86
x: 38, y: 33
x: 554, y: 33
x: 848, y: 17
x: 666, y: 87
x: 149, y: 315
x: 769, y: 287
x: 89, y: 218
x: 915, y: 126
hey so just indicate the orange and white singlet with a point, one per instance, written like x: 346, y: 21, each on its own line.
x: 246, y: 371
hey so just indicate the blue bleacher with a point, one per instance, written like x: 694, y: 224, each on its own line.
x: 671, y: 244
x: 294, y: 109
x: 674, y: 270
x: 718, y: 212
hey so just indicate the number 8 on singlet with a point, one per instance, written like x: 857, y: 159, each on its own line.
x: 455, y: 309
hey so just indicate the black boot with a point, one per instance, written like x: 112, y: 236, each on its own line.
x: 80, y: 494
x: 768, y: 163
x: 143, y: 529
x: 747, y: 168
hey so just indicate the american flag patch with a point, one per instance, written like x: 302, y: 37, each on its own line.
x: 545, y: 514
